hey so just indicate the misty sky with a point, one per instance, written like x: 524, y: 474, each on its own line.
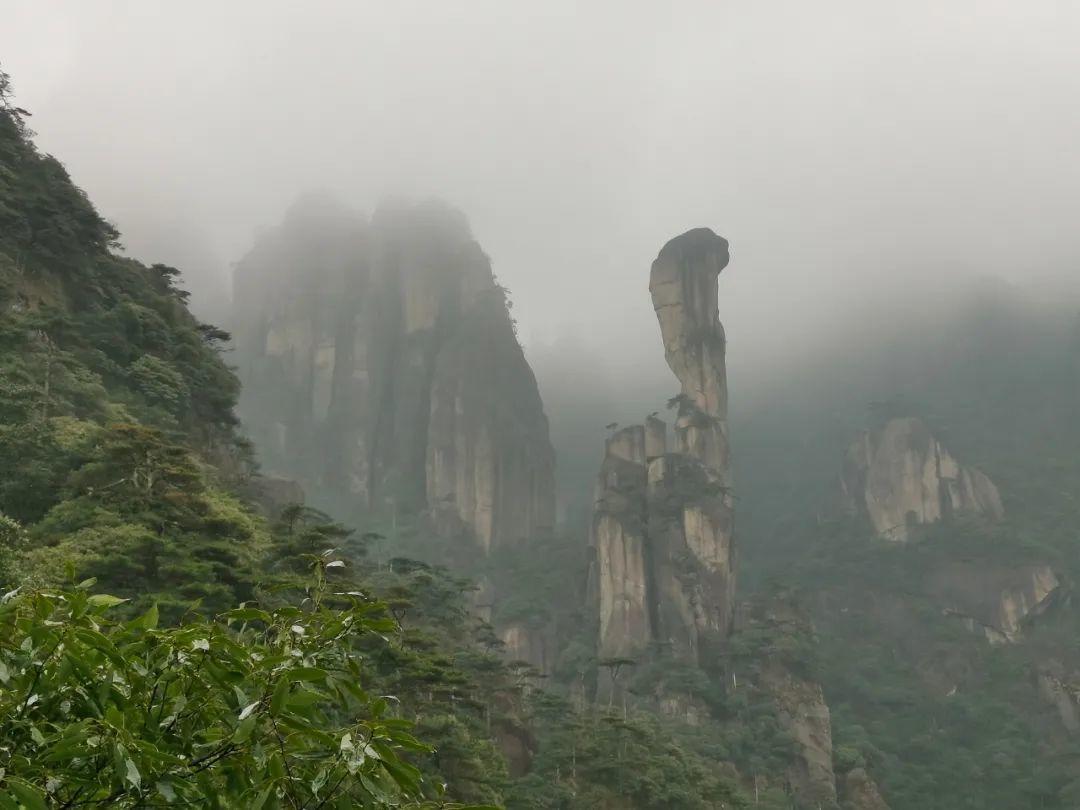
x: 848, y: 150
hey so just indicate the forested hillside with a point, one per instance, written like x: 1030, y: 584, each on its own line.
x: 170, y: 635
x: 948, y: 662
x: 946, y: 675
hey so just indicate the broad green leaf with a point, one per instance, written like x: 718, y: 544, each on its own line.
x: 260, y: 800
x: 244, y: 729
x: 150, y: 618
x: 307, y: 674
x: 31, y: 797
x: 308, y: 729
x: 166, y: 790
x: 105, y: 600
x: 247, y: 710
x: 281, y: 692
x: 131, y: 774
x: 247, y: 614
x: 114, y: 717
x: 275, y: 766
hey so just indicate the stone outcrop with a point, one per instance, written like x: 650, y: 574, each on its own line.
x: 900, y: 476
x: 381, y: 368
x: 804, y: 715
x: 781, y: 674
x: 859, y: 791
x: 996, y: 600
x: 663, y: 575
x: 1061, y: 689
x: 533, y: 645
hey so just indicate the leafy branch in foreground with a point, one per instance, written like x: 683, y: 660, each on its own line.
x: 255, y: 709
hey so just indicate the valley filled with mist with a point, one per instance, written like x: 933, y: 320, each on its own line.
x: 584, y: 408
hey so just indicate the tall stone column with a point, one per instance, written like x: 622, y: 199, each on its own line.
x: 663, y: 521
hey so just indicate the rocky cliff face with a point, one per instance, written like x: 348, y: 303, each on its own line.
x: 804, y: 715
x: 662, y: 532
x: 380, y: 366
x: 995, y: 600
x: 782, y: 675
x: 901, y: 476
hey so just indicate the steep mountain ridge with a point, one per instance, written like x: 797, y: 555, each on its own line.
x: 381, y: 367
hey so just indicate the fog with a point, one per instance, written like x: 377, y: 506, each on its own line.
x: 860, y: 156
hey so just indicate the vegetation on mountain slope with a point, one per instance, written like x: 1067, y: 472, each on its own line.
x: 939, y: 716
x: 162, y: 642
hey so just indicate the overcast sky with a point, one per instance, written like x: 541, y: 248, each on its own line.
x: 848, y: 149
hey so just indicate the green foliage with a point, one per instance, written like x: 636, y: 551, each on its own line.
x: 138, y: 514
x: 538, y: 587
x: 111, y: 398
x: 11, y: 539
x: 936, y: 715
x: 35, y: 467
x: 41, y: 212
x: 597, y: 759
x: 160, y: 383
x: 258, y: 708
x: 453, y: 687
x: 118, y: 460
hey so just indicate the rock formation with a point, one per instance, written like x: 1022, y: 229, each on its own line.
x: 900, y: 476
x: 860, y: 792
x: 533, y: 645
x: 782, y: 675
x: 804, y: 715
x: 683, y: 284
x: 1061, y: 689
x: 663, y: 574
x: 381, y: 367
x: 996, y: 600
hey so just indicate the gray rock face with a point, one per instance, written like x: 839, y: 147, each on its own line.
x: 900, y: 476
x: 662, y: 532
x: 533, y: 645
x: 804, y: 715
x: 683, y: 284
x: 995, y: 600
x: 799, y: 703
x: 380, y: 366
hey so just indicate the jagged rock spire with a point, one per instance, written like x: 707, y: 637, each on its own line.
x: 663, y: 578
x: 683, y: 284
